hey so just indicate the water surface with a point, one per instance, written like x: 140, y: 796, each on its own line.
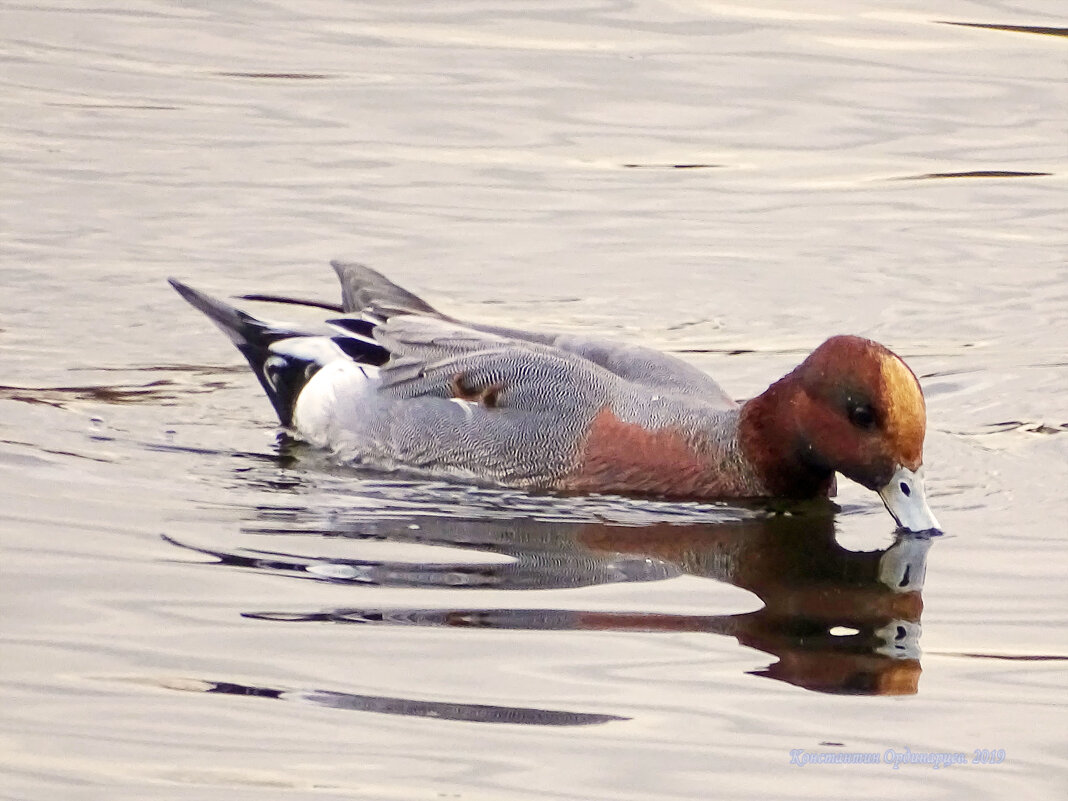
x: 194, y: 608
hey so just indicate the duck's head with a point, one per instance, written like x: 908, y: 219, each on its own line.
x: 856, y: 408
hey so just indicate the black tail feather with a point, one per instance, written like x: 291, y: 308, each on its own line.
x: 283, y: 358
x: 242, y: 328
x: 284, y: 299
x: 254, y: 339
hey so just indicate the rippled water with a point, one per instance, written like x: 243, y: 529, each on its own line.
x: 192, y: 608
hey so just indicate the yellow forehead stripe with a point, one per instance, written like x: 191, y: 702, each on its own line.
x: 906, y: 414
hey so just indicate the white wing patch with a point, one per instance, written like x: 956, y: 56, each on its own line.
x: 319, y: 350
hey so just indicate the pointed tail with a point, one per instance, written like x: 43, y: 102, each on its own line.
x: 365, y: 289
x: 284, y: 358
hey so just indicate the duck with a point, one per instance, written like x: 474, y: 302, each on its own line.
x: 388, y: 382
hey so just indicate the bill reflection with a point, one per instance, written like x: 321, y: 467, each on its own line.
x: 835, y: 620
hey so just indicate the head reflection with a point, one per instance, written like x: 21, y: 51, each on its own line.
x: 836, y: 621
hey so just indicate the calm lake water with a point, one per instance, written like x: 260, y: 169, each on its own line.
x: 191, y: 608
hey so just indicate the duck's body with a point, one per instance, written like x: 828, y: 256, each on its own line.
x: 394, y: 384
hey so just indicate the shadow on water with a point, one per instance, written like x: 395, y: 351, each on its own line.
x: 836, y: 621
x: 409, y: 707
x: 990, y: 26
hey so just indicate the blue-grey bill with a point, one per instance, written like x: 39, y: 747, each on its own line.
x: 906, y: 500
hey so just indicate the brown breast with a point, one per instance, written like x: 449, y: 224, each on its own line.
x: 617, y: 456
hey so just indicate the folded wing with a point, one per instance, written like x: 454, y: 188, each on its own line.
x: 368, y: 291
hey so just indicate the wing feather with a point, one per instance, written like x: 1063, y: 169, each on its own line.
x: 436, y: 358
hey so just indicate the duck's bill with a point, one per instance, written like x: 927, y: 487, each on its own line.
x: 906, y: 500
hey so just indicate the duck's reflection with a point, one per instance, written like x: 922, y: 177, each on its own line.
x: 836, y: 620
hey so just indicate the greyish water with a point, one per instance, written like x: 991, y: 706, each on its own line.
x: 192, y: 609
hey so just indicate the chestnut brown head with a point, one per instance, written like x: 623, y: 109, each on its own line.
x: 860, y: 411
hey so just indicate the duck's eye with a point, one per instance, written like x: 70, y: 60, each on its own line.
x: 862, y: 416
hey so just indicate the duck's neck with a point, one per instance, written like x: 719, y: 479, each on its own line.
x: 771, y: 438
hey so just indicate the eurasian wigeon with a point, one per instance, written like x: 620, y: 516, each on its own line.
x: 391, y: 383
